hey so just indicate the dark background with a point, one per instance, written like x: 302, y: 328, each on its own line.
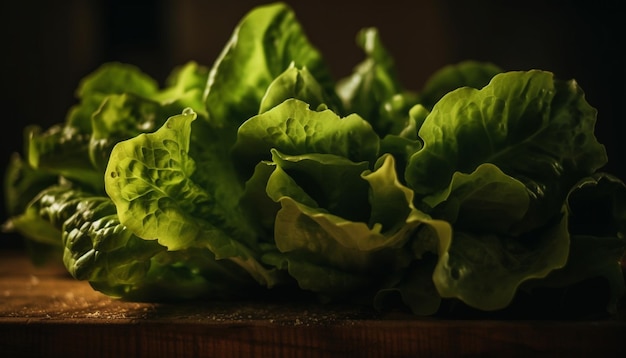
x: 48, y: 46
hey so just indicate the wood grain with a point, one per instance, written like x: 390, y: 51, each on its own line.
x: 45, y: 313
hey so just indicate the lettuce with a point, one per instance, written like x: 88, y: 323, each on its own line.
x: 262, y: 172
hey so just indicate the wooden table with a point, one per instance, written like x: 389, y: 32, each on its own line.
x: 46, y: 313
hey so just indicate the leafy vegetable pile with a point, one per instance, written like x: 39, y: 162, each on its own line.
x: 263, y: 173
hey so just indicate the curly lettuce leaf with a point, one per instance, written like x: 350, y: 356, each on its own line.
x: 117, y: 102
x: 62, y: 151
x: 486, y: 260
x: 122, y: 117
x: 139, y: 173
x: 534, y: 128
x: 184, y: 87
x: 297, y: 83
x: 486, y: 200
x: 485, y: 270
x: 263, y: 45
x: 318, y: 236
x: 405, y: 143
x: 293, y: 128
x: 354, y: 256
x: 109, y: 78
x: 320, y: 180
x: 149, y: 178
x: 125, y: 115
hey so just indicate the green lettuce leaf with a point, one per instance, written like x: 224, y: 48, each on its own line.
x: 486, y: 260
x: 126, y: 115
x: 293, y: 128
x: 534, y: 128
x: 374, y: 90
x: 485, y: 270
x: 266, y: 42
x: 120, y: 264
x: 300, y: 84
x: 62, y: 150
x: 123, y: 117
x: 149, y: 178
x: 22, y: 183
x: 468, y: 73
x: 109, y: 78
x: 486, y: 200
x: 597, y: 223
x: 368, y: 249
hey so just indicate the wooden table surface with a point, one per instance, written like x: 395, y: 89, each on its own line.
x: 45, y: 313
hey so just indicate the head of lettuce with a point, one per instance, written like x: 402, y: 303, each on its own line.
x: 263, y: 172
